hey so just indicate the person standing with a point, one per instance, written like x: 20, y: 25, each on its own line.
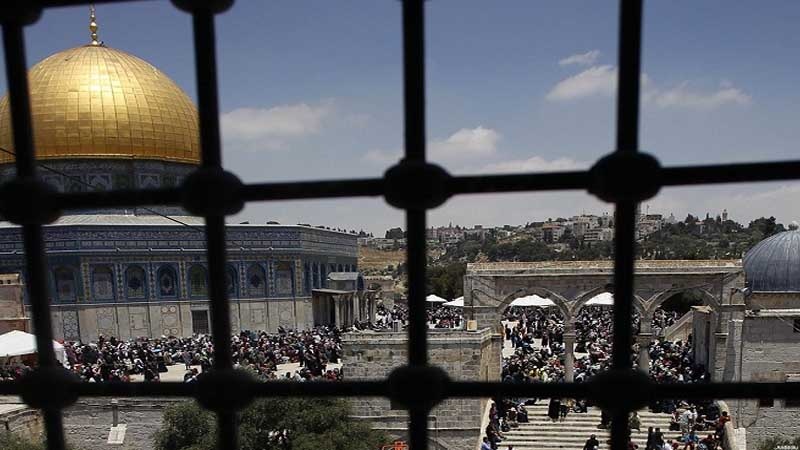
x: 554, y: 409
x: 592, y: 443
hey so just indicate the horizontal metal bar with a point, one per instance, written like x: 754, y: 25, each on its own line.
x: 313, y: 189
x: 731, y: 173
x: 58, y: 3
x: 455, y: 389
x: 550, y: 181
x: 465, y: 184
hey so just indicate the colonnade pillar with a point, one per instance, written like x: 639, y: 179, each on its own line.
x: 569, y: 357
x: 644, y: 340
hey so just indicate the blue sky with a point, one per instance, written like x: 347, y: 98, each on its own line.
x: 313, y: 89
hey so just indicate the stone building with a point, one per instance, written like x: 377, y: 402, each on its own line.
x: 770, y: 336
x: 455, y: 424
x: 104, y: 119
x: 12, y: 310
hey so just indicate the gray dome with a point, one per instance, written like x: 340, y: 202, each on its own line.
x: 774, y: 263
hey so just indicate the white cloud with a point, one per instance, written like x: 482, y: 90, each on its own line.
x: 682, y: 97
x: 581, y: 59
x: 534, y: 164
x: 601, y: 81
x: 466, y: 143
x: 270, y: 127
x: 594, y: 81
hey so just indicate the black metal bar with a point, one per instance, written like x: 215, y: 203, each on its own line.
x: 620, y: 434
x: 19, y: 101
x: 624, y: 249
x: 59, y: 3
x: 630, y: 42
x: 312, y: 189
x: 417, y: 262
x: 458, y: 185
x: 414, y: 77
x: 414, y: 108
x: 205, y: 58
x: 730, y: 173
x: 630, y: 27
x: 207, y: 101
x: 218, y: 293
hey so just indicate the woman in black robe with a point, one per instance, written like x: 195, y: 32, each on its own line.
x: 553, y: 409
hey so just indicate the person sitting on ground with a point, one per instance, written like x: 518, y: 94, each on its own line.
x: 707, y: 443
x: 690, y: 441
x: 522, y: 414
x: 634, y: 422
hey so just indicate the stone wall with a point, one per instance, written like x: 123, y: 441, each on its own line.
x: 164, y: 318
x: 21, y: 420
x: 12, y: 312
x: 88, y: 422
x: 455, y: 424
x: 770, y: 352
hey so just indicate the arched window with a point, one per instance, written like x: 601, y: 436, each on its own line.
x: 231, y: 281
x: 306, y: 278
x: 256, y: 281
x: 167, y: 281
x: 323, y: 276
x: 65, y: 284
x: 135, y: 282
x: 103, y: 283
x: 198, y: 281
x: 340, y: 268
x: 315, y: 275
x: 283, y: 279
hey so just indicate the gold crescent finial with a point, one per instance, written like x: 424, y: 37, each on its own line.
x: 93, y: 26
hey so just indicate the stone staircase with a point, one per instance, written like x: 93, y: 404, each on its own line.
x: 540, y: 433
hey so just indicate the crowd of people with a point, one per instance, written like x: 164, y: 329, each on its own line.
x: 537, y: 338
x: 111, y: 359
x: 438, y: 316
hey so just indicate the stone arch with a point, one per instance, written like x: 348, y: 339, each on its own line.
x: 655, y: 301
x: 638, y: 302
x: 562, y: 303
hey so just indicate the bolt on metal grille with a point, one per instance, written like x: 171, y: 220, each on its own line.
x: 624, y: 177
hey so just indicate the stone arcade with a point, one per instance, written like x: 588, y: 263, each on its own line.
x: 747, y: 330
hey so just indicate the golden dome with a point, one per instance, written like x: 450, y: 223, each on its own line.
x: 97, y: 102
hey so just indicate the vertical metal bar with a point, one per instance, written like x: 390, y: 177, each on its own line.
x: 414, y: 77
x: 417, y: 261
x: 629, y: 75
x: 630, y: 28
x: 414, y: 103
x: 208, y: 106
x: 16, y: 71
x: 207, y: 102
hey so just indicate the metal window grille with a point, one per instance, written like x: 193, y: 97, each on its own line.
x: 624, y: 177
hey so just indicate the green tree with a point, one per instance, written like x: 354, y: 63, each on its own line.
x: 306, y: 423
x: 13, y: 441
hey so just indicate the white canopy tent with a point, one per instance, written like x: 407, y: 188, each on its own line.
x: 19, y: 343
x: 533, y: 300
x: 603, y: 299
x: 457, y: 303
x: 433, y: 298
